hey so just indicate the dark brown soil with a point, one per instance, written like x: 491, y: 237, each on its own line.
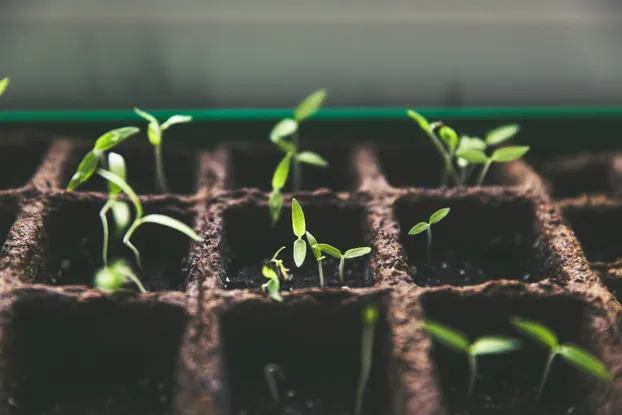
x: 20, y: 158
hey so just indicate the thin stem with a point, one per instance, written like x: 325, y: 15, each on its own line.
x: 270, y: 372
x: 439, y: 146
x: 126, y: 241
x: 321, y: 271
x: 549, y: 363
x: 341, y: 264
x: 367, y: 348
x: 104, y: 220
x: 429, y: 232
x: 473, y: 369
x: 297, y: 179
x: 161, y: 183
x: 135, y: 280
x: 482, y: 174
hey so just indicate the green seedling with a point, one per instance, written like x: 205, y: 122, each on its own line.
x: 575, y: 355
x: 369, y: 318
x: 273, y: 286
x: 4, y: 84
x: 271, y: 371
x: 502, y: 155
x: 481, y: 346
x: 140, y: 220
x: 114, y: 277
x: 278, y: 263
x: 97, y: 155
x: 436, y: 217
x: 318, y: 256
x: 349, y: 254
x: 278, y: 182
x: 154, y: 133
x: 300, y: 228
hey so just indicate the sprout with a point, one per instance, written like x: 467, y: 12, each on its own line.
x: 436, y: 217
x: 273, y: 286
x: 278, y: 181
x: 335, y: 253
x: 481, y: 346
x: 318, y: 256
x: 154, y: 133
x: 576, y: 356
x: 271, y: 371
x: 279, y: 264
x: 112, y: 278
x: 369, y: 317
x: 140, y: 220
x: 299, y: 226
x: 4, y: 84
x: 502, y: 155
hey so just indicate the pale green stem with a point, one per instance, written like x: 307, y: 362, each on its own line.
x: 136, y: 281
x: 102, y: 216
x: 482, y: 174
x: 549, y: 363
x: 270, y: 371
x: 367, y: 348
x: 429, y: 232
x: 446, y: 158
x: 473, y: 369
x: 321, y: 271
x: 341, y: 265
x: 126, y: 241
x: 161, y: 183
x: 297, y: 179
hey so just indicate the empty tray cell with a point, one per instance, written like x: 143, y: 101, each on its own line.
x: 254, y: 166
x: 317, y: 348
x: 180, y: 167
x: 507, y: 384
x: 571, y: 176
x: 74, y: 240
x: 19, y: 161
x: 250, y: 241
x: 483, y: 238
x: 411, y: 165
x: 91, y: 357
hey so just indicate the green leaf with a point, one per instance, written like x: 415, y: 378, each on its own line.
x: 439, y: 215
x: 121, y: 215
x: 109, y: 280
x: 4, y: 84
x: 329, y: 249
x: 282, y: 129
x: 176, y: 119
x: 154, y: 134
x: 356, y: 252
x: 501, y: 134
x: 269, y: 273
x: 448, y: 336
x: 111, y: 177
x: 300, y: 252
x: 311, y: 158
x: 171, y: 223
x: 114, y: 137
x: 370, y: 315
x: 449, y: 136
x: 281, y: 173
x: 423, y: 123
x: 276, y: 205
x: 494, y: 345
x: 471, y: 143
x: 536, y: 331
x: 418, y: 228
x: 312, y: 241
x: 310, y: 105
x: 86, y: 168
x: 473, y: 156
x: 146, y: 116
x: 273, y: 287
x: 286, y: 146
x: 585, y: 361
x: 503, y: 155
x: 298, y: 219
x: 116, y: 165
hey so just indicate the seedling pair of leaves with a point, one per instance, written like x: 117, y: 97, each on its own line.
x: 279, y: 134
x: 436, y: 217
x: 273, y: 286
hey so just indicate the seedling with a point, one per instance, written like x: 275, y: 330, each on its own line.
x: 369, y: 317
x: 335, y: 253
x: 502, y: 155
x: 318, y: 256
x: 300, y: 228
x: 4, y: 84
x: 273, y: 286
x: 575, y: 355
x: 436, y: 217
x: 140, y: 220
x: 154, y: 133
x: 278, y: 182
x: 114, y: 277
x: 481, y: 346
x: 278, y: 263
x: 271, y: 372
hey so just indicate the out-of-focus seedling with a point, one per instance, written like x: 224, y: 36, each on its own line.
x: 369, y: 317
x: 271, y: 371
x: 318, y: 256
x: 502, y: 155
x: 300, y: 228
x: 575, y: 355
x: 481, y: 346
x: 436, y: 217
x: 278, y: 182
x: 114, y: 277
x: 4, y: 84
x: 154, y: 133
x: 278, y: 263
x: 349, y: 254
x: 273, y: 286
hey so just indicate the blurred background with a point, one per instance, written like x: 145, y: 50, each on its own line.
x: 79, y: 54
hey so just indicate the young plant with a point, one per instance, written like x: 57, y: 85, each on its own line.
x: 436, y: 217
x: 278, y: 182
x: 335, y: 253
x: 318, y: 256
x: 273, y: 286
x: 369, y: 317
x: 501, y: 155
x: 575, y: 355
x: 481, y: 346
x: 114, y: 277
x: 271, y: 371
x: 300, y: 228
x: 154, y: 133
x: 4, y: 84
x: 278, y: 263
x: 140, y: 220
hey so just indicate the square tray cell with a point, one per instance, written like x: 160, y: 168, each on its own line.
x: 317, y: 347
x: 250, y: 240
x: 19, y: 161
x: 483, y: 238
x: 507, y: 384
x: 69, y: 356
x: 252, y: 166
x: 180, y: 168
x: 74, y: 239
